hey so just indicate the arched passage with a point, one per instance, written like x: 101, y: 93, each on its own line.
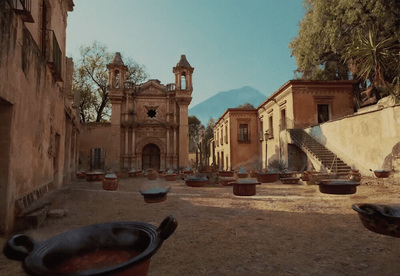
x: 151, y: 157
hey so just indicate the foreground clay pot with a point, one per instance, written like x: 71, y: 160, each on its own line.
x: 378, y: 218
x: 129, y: 246
x: 317, y: 176
x: 382, y: 173
x: 245, y: 187
x: 226, y: 173
x: 227, y: 181
x: 94, y: 176
x: 152, y: 175
x: 155, y: 195
x: 290, y: 180
x: 196, y: 182
x: 338, y: 186
x: 287, y: 174
x: 110, y: 182
x: 170, y: 177
x: 267, y: 177
x: 354, y: 175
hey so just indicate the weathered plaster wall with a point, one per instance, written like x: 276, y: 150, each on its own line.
x: 98, y: 135
x: 38, y: 118
x: 365, y: 141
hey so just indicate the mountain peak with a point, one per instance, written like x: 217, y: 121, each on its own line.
x: 216, y: 105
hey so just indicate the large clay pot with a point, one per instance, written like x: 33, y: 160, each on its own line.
x: 152, y: 175
x: 196, y: 181
x: 354, y: 175
x: 378, y: 218
x: 338, y: 186
x: 226, y: 173
x: 110, y: 182
x: 245, y: 188
x: 155, y: 195
x: 267, y: 177
x: 382, y: 173
x: 62, y: 254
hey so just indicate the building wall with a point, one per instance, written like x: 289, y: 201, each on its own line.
x: 38, y: 110
x: 235, y: 153
x: 295, y: 105
x: 307, y: 95
x: 365, y: 141
x: 274, y: 114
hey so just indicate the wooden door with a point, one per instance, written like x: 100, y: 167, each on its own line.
x: 151, y: 157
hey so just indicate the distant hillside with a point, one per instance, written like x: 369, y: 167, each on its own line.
x: 215, y: 106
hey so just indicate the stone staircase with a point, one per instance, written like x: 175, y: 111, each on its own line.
x: 311, y: 146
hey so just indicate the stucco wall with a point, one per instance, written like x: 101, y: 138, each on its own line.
x: 38, y: 121
x: 99, y: 135
x: 365, y: 141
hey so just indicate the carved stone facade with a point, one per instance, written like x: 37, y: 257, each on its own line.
x: 149, y: 122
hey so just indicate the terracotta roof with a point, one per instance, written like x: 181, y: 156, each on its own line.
x: 117, y: 60
x: 183, y: 62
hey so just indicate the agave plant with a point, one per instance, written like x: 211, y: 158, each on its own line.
x: 277, y: 165
x: 369, y: 56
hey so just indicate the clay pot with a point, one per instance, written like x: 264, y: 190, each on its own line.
x: 287, y: 174
x: 354, y: 175
x: 110, y: 182
x: 242, y: 175
x: 170, y: 177
x: 267, y: 177
x: 50, y: 257
x: 154, y: 195
x: 378, y: 218
x: 226, y: 173
x: 92, y: 176
x: 338, y: 186
x: 290, y: 180
x: 152, y: 175
x: 382, y: 173
x: 227, y: 181
x: 245, y: 188
x: 196, y: 182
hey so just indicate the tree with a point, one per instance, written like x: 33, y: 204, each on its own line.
x: 195, y: 127
x: 246, y: 105
x: 90, y: 80
x: 329, y: 27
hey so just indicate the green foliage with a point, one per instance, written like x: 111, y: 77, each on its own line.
x: 194, y: 132
x: 277, y: 165
x: 246, y: 105
x: 331, y: 31
x: 90, y: 80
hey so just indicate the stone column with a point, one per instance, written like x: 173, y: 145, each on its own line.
x: 183, y: 136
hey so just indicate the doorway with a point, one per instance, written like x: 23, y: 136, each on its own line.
x: 151, y: 157
x: 6, y: 111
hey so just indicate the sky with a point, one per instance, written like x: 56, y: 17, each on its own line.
x: 230, y: 43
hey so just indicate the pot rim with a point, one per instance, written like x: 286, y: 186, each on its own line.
x: 34, y: 259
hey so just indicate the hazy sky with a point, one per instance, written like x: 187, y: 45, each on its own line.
x: 230, y: 43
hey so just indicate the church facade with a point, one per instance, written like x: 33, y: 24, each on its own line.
x: 149, y: 123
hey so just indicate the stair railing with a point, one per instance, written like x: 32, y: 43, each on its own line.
x: 334, y: 163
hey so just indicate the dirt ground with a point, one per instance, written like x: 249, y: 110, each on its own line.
x: 282, y: 230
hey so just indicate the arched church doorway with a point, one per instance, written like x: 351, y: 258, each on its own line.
x: 151, y: 157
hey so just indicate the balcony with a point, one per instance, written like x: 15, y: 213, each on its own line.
x: 23, y: 9
x: 53, y: 55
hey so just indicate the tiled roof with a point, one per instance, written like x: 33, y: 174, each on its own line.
x: 183, y: 62
x: 117, y: 60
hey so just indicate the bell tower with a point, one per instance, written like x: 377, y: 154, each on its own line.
x: 183, y: 93
x: 116, y: 78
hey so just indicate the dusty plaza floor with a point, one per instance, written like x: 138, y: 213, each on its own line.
x: 282, y: 230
